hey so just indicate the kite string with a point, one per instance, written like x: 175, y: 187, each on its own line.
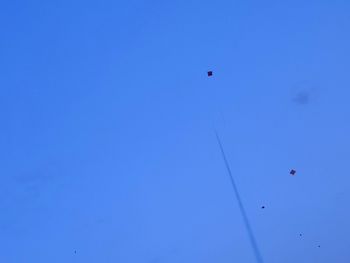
x: 248, y: 227
x: 252, y: 239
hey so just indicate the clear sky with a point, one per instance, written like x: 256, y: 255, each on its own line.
x: 107, y: 147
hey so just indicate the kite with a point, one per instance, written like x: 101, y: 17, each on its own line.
x: 210, y: 73
x: 263, y: 207
x: 292, y: 172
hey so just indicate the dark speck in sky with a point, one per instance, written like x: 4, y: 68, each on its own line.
x: 302, y: 98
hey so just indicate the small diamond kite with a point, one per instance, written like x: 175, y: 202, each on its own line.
x: 292, y: 172
x: 210, y: 73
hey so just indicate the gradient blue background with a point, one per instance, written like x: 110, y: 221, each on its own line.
x: 107, y: 138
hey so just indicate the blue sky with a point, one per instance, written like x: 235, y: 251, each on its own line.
x: 107, y: 130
